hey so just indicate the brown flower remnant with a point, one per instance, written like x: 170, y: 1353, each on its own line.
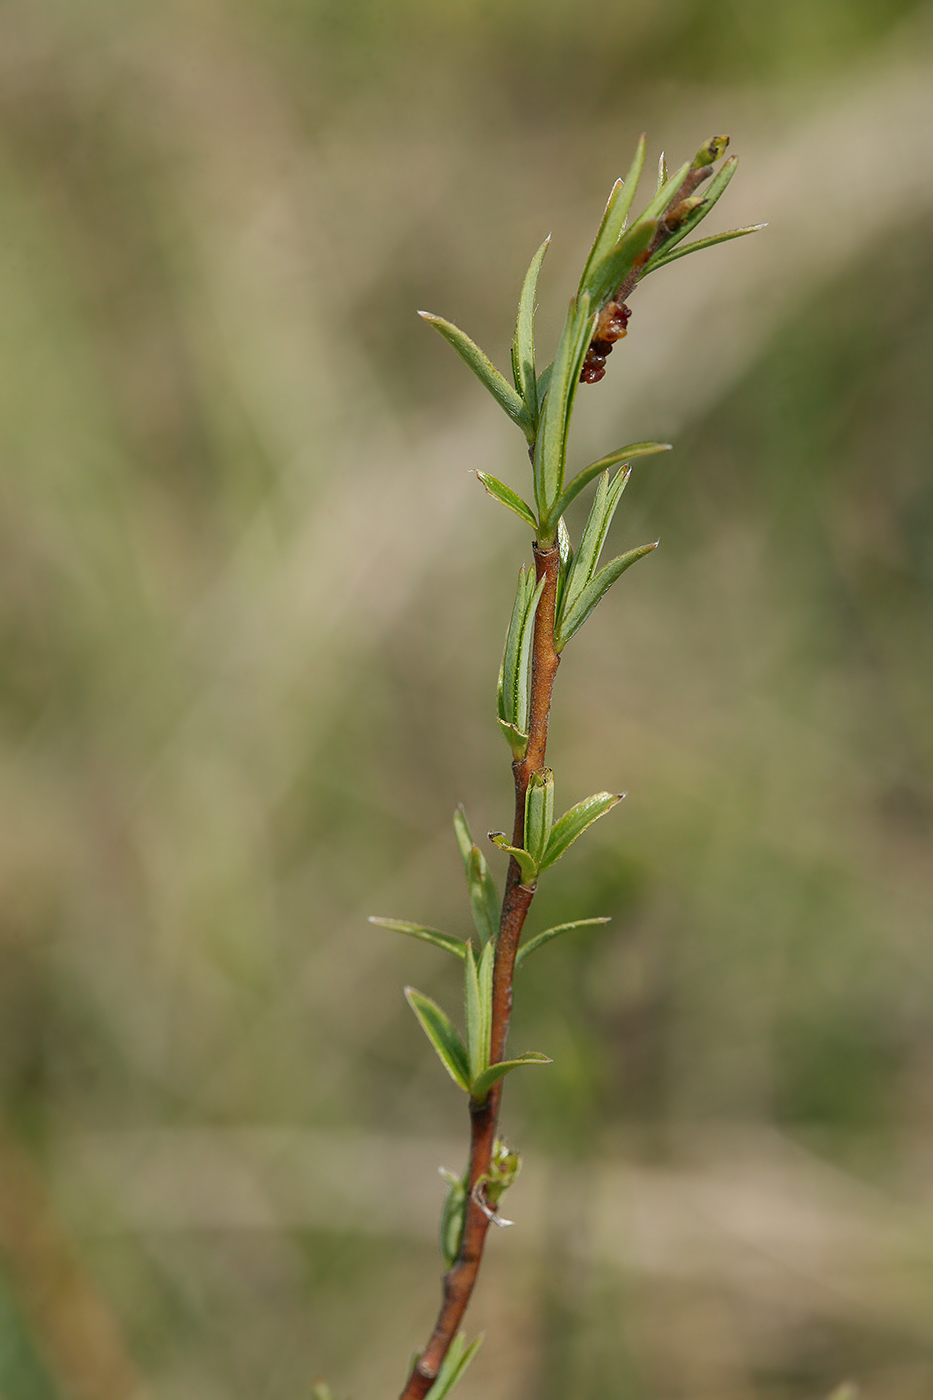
x: 611, y: 326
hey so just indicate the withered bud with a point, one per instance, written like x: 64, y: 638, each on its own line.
x: 710, y: 151
x: 681, y: 212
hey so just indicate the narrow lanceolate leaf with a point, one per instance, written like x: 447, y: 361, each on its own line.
x: 665, y: 194
x: 484, y: 978
x: 521, y: 682
x: 509, y: 498
x: 551, y: 442
x: 711, y: 194
x: 613, y: 220
x: 485, y: 371
x: 573, y: 823
x: 481, y: 1086
x: 479, y: 1009
x: 453, y: 1366
x: 540, y: 939
x: 427, y: 935
x: 612, y: 459
x: 507, y: 698
x: 462, y: 832
x: 526, y: 864
x: 612, y: 272
x: 484, y: 897
x: 662, y: 173
x: 706, y: 243
x: 575, y: 617
x: 523, y: 342
x: 473, y: 1018
x: 604, y: 505
x: 439, y: 1029
x: 624, y: 258
x: 481, y: 887
x: 515, y: 671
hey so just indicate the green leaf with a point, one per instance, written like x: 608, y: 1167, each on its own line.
x: 509, y: 498
x: 663, y: 174
x: 613, y: 220
x: 479, y: 1008
x: 453, y: 1215
x: 439, y: 1029
x: 462, y: 832
x: 481, y: 887
x: 523, y: 342
x: 540, y: 939
x: 515, y: 671
x: 575, y: 616
x: 458, y: 1358
x: 525, y: 863
x: 508, y: 669
x: 522, y: 677
x: 613, y: 271
x: 665, y: 194
x: 573, y: 823
x: 427, y: 935
x: 484, y: 897
x: 481, y: 1086
x: 485, y: 371
x: 608, y: 495
x: 706, y: 243
x: 622, y: 454
x: 606, y: 279
x: 551, y: 442
x: 712, y: 193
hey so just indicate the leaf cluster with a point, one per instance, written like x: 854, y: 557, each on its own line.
x: 541, y: 403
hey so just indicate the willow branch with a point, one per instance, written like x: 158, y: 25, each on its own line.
x: 460, y: 1279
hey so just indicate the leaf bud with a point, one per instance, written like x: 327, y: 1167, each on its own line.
x: 539, y: 813
x: 710, y: 152
x: 503, y: 1169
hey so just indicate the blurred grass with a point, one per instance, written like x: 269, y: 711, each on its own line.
x: 251, y: 605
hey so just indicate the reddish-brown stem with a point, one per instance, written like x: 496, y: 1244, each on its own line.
x: 460, y: 1279
x: 691, y: 180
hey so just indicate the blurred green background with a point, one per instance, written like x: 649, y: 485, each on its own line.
x: 251, y: 608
